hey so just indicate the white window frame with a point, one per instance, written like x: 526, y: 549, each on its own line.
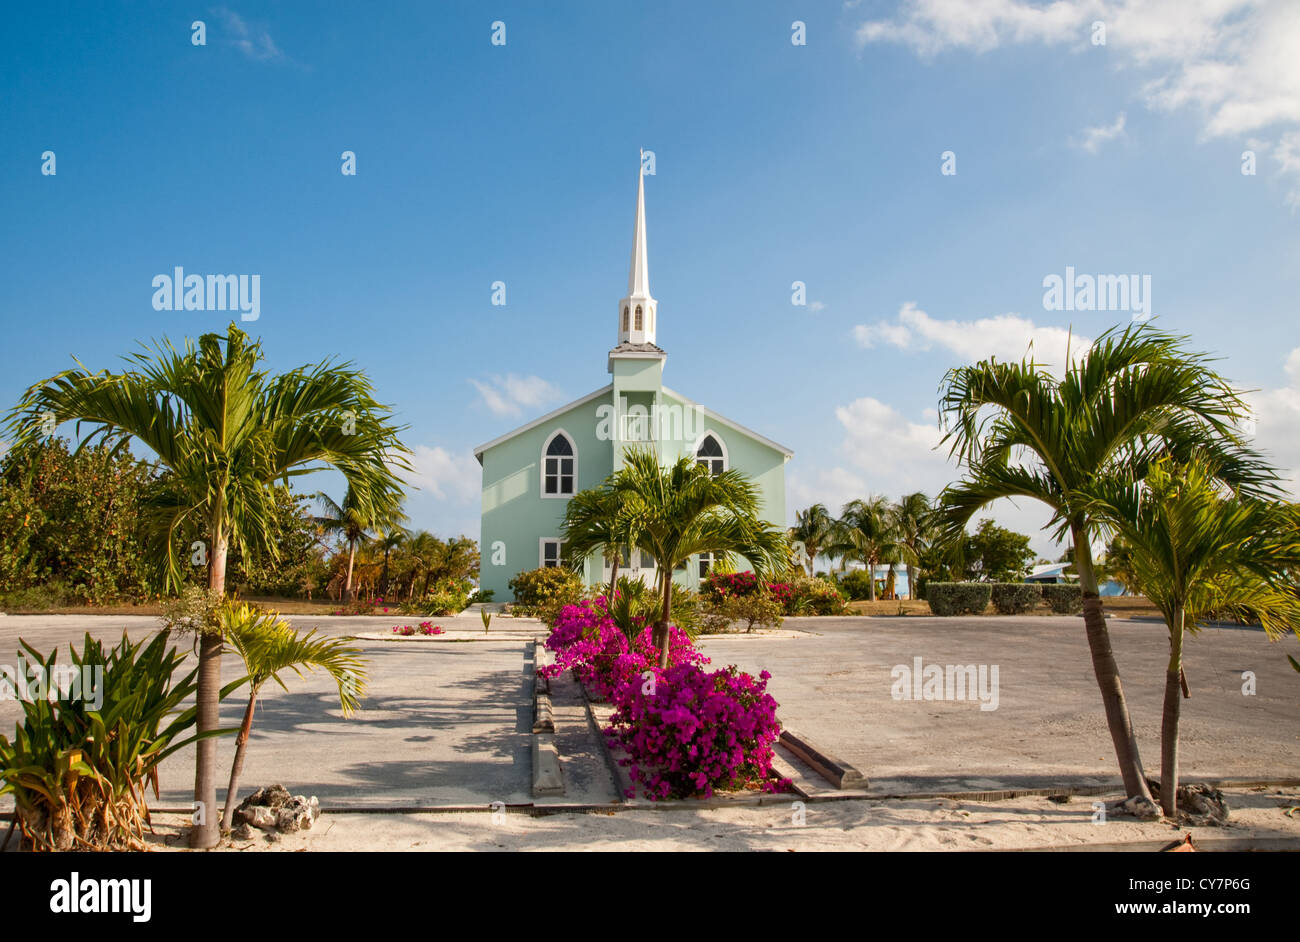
x: 722, y: 443
x: 541, y: 484
x: 541, y: 552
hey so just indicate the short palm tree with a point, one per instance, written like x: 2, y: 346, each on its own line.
x: 679, y: 511
x: 387, y: 539
x: 268, y: 647
x: 594, y: 523
x: 354, y: 520
x: 914, y: 522
x: 227, y: 432
x: 814, y: 528
x: 1136, y: 394
x: 1197, y: 552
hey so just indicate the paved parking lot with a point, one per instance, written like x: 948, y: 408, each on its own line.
x: 448, y: 723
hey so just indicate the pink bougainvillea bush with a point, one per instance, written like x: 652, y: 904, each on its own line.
x: 424, y: 628
x: 692, y: 732
x: 586, y: 640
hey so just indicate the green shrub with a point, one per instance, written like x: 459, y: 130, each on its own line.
x: 814, y: 597
x: 757, y: 608
x: 856, y: 585
x: 1016, y: 598
x: 959, y: 598
x: 1064, y: 598
x: 541, y: 593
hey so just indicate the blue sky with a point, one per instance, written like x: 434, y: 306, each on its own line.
x: 774, y: 163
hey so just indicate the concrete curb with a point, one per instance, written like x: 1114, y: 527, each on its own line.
x: 548, y: 777
x: 839, y: 773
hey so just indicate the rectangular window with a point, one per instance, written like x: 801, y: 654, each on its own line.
x: 559, y: 476
x: 551, y: 553
x: 706, y: 563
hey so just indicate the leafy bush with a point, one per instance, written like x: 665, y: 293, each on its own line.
x: 1016, y: 598
x: 447, y: 597
x: 720, y: 585
x: 814, y: 597
x: 856, y: 585
x: 1064, y: 598
x: 757, y: 608
x: 693, y: 732
x: 544, y: 592
x: 78, y: 765
x: 959, y: 598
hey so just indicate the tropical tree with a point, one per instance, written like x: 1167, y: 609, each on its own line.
x: 914, y: 523
x: 387, y: 539
x: 681, y: 510
x: 867, y: 531
x: 354, y: 519
x: 228, y: 432
x: 268, y: 647
x: 815, y: 528
x: 594, y: 523
x: 1133, y: 396
x: 1197, y: 551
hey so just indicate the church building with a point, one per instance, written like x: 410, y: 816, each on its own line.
x: 530, y: 473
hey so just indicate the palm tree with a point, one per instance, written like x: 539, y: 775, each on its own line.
x: 268, y: 647
x: 594, y: 523
x: 387, y: 539
x: 814, y: 528
x: 1133, y: 396
x: 867, y: 533
x: 227, y: 432
x: 353, y: 521
x: 1197, y: 553
x: 679, y: 511
x: 914, y: 523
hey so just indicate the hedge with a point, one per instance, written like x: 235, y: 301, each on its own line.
x: 1016, y: 598
x: 958, y: 598
x: 1065, y: 598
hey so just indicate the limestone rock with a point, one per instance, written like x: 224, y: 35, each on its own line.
x: 242, y: 832
x: 259, y: 816
x: 1144, y: 809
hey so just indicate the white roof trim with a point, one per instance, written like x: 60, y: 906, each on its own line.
x: 735, y: 425
x: 478, y: 452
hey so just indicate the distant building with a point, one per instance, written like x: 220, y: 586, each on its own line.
x: 529, y: 474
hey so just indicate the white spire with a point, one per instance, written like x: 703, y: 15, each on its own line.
x: 637, y: 312
x: 638, y: 276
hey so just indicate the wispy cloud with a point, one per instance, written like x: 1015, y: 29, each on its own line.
x: 1005, y: 336
x: 255, y: 42
x: 511, y: 394
x: 1233, y: 62
x: 1093, y: 138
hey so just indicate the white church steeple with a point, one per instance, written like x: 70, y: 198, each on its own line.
x: 636, y: 312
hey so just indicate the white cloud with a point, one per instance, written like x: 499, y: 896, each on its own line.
x: 1006, y: 336
x: 255, y: 42
x: 1093, y: 138
x: 511, y: 394
x: 1232, y: 61
x: 1277, y: 422
x: 446, y: 476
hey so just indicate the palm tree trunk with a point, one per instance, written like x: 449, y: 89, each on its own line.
x: 666, y: 615
x: 613, y: 581
x: 1107, y: 672
x: 352, y: 555
x: 1169, y: 720
x: 871, y: 577
x: 236, y: 767
x: 207, y: 698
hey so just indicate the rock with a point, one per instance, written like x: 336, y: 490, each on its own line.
x: 314, y: 803
x: 271, y: 837
x: 259, y: 817
x: 1144, y: 809
x: 1202, y: 805
x: 295, y: 815
x: 1059, y: 799
x: 242, y: 832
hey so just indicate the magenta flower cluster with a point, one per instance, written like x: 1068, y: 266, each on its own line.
x: 424, y: 628
x: 686, y: 732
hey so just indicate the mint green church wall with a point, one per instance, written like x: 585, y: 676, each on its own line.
x: 515, y: 515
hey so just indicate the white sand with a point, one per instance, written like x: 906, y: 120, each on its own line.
x: 915, y: 825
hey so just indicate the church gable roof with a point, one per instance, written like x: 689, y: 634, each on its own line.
x: 554, y: 414
x: 719, y: 417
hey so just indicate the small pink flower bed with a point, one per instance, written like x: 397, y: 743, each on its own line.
x: 424, y: 628
x: 686, y: 732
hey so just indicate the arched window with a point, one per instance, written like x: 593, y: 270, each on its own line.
x: 624, y: 320
x: 638, y: 317
x: 710, y: 453
x: 559, y: 466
